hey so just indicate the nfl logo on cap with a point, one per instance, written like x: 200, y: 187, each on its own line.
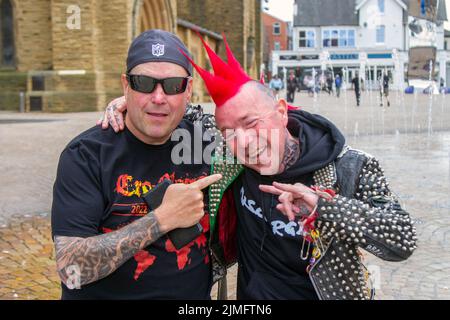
x: 158, y: 49
x: 156, y: 45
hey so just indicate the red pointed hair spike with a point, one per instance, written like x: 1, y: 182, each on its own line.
x: 219, y: 88
x: 240, y: 75
x: 219, y: 66
x: 228, y: 77
x: 232, y: 61
x: 199, y: 69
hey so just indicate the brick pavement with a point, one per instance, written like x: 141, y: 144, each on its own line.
x: 418, y: 169
x: 27, y: 265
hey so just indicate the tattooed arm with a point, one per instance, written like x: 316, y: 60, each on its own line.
x: 97, y: 257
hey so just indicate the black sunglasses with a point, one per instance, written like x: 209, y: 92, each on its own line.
x: 146, y: 84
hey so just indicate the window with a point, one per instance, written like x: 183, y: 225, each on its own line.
x: 307, y: 39
x: 339, y: 38
x: 381, y: 6
x: 381, y: 34
x: 311, y: 39
x: 334, y: 38
x: 342, y: 38
x: 276, y: 28
x: 277, y: 46
x: 351, y: 38
x: 326, y: 38
x: 7, y: 50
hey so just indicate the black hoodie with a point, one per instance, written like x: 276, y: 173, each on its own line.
x: 269, y: 245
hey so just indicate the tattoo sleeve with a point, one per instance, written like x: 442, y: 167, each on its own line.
x: 97, y: 257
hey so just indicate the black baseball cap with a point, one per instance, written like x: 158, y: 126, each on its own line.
x: 157, y: 46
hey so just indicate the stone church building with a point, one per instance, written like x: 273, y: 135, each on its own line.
x: 67, y: 55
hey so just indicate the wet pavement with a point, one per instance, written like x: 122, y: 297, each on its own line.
x: 418, y: 169
x: 411, y: 139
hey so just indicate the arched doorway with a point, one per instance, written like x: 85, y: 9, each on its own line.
x: 153, y: 14
x: 7, y: 46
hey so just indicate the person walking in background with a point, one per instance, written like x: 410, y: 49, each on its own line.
x: 310, y: 85
x: 384, y: 89
x: 322, y: 82
x: 298, y: 76
x: 356, y: 85
x: 338, y: 84
x: 276, y: 84
x: 330, y: 84
x: 291, y: 86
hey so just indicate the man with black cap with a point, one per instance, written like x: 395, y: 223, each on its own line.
x: 110, y: 244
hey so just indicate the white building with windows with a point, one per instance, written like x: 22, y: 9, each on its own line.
x: 347, y: 36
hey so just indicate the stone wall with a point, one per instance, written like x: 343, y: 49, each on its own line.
x: 74, y: 49
x: 32, y: 33
x: 11, y: 84
x: 240, y: 20
x: 45, y: 44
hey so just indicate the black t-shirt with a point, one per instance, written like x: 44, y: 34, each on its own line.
x: 270, y: 267
x: 100, y: 181
x: 269, y: 245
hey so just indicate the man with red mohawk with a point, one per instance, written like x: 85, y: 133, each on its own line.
x: 321, y: 200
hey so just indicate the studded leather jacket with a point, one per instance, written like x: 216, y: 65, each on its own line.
x: 363, y: 215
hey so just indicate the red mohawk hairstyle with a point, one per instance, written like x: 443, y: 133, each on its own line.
x: 227, y: 79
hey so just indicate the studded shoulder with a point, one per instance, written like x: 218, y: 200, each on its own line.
x: 373, y: 218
